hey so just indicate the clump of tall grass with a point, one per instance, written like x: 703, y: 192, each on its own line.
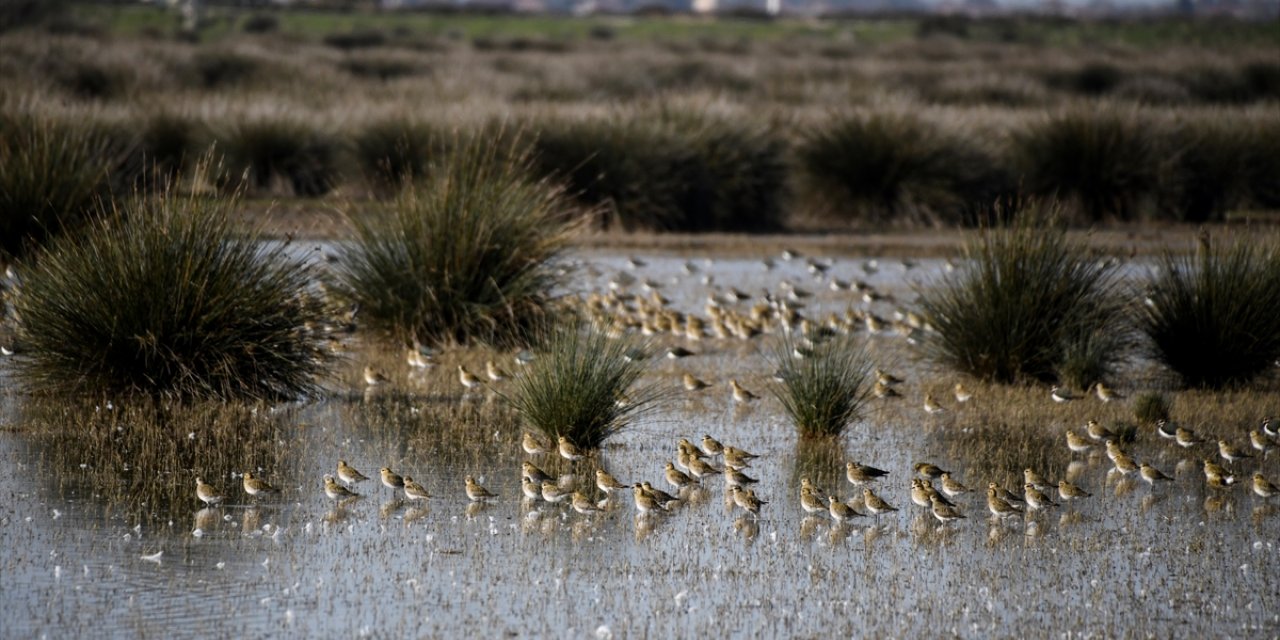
x: 464, y: 255
x: 669, y: 172
x: 1150, y: 407
x: 1103, y: 164
x: 164, y: 298
x: 1206, y: 171
x: 1027, y: 303
x: 893, y: 167
x: 220, y: 68
x: 394, y: 151
x: 280, y: 151
x: 1262, y: 162
x: 1211, y: 316
x: 584, y: 385
x: 825, y: 391
x: 52, y: 175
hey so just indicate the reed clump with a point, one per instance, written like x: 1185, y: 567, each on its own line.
x: 583, y: 385
x: 163, y: 297
x: 1210, y: 316
x: 1027, y: 304
x: 466, y: 254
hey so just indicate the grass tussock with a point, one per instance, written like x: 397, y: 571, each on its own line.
x: 673, y: 172
x: 1211, y: 316
x: 824, y: 392
x: 465, y: 254
x: 279, y: 154
x: 1151, y: 406
x: 164, y: 298
x: 892, y: 167
x: 1102, y: 164
x: 583, y: 386
x: 1027, y: 304
x: 395, y: 151
x: 52, y: 176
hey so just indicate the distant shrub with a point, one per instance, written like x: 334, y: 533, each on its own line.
x: 1101, y: 164
x: 1262, y: 162
x: 52, y: 176
x: 892, y: 167
x: 168, y: 144
x: 381, y: 67
x: 394, y: 151
x: 668, y: 173
x: 261, y: 23
x: 1211, y: 316
x: 464, y: 255
x: 92, y: 80
x: 220, y: 68
x: 165, y: 298
x: 1205, y: 171
x: 361, y: 39
x: 990, y: 316
x: 277, y: 150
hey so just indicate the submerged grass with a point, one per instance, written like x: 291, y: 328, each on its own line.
x: 1027, y: 304
x: 464, y: 256
x: 1212, y: 316
x: 143, y: 458
x: 164, y: 298
x: 583, y: 386
x: 826, y: 391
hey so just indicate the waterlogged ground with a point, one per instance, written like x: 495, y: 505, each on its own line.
x: 99, y: 540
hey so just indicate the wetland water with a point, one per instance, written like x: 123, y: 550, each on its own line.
x: 1132, y: 561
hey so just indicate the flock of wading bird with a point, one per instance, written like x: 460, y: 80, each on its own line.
x: 732, y: 314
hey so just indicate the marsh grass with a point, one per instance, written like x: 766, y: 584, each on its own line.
x: 671, y: 171
x: 142, y: 459
x: 583, y: 387
x: 823, y: 393
x: 52, y: 176
x: 1027, y: 304
x: 1151, y: 406
x: 465, y: 255
x: 395, y: 151
x: 163, y: 298
x: 1212, y: 315
x: 279, y: 151
x: 891, y: 167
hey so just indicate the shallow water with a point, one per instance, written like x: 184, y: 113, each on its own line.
x: 1131, y: 561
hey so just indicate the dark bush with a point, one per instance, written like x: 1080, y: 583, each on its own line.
x: 1205, y: 173
x: 164, y: 298
x: 669, y: 173
x: 394, y: 151
x: 261, y: 23
x: 1102, y: 164
x: 52, y: 176
x: 220, y: 68
x: 279, y: 151
x: 381, y: 67
x: 891, y: 167
x: 1211, y: 316
x: 364, y: 39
